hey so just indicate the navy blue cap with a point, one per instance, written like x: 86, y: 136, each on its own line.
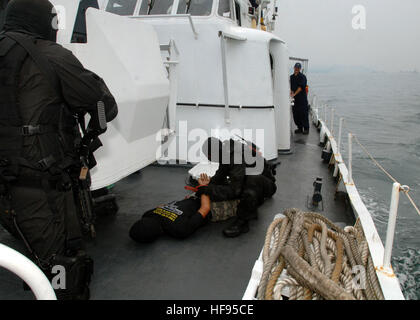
x: 298, y: 65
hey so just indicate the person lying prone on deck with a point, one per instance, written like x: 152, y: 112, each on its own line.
x: 178, y: 219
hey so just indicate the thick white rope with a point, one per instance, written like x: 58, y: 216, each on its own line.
x: 321, y: 254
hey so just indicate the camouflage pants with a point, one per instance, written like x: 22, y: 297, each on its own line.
x: 256, y: 189
x: 223, y: 210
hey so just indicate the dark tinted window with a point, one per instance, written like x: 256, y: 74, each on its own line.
x: 238, y: 13
x: 224, y: 9
x: 121, y: 7
x: 144, y: 8
x: 182, y: 7
x: 161, y: 7
x: 200, y: 7
x: 79, y: 31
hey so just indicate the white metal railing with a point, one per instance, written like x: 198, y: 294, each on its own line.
x: 27, y: 271
x: 381, y: 255
x: 351, y: 136
x: 172, y: 65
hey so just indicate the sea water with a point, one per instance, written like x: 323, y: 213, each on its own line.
x: 383, y: 111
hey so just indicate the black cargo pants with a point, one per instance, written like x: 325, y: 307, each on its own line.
x: 44, y: 228
x: 301, y: 116
x: 256, y: 189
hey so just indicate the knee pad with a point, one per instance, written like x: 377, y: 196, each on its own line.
x: 74, y: 283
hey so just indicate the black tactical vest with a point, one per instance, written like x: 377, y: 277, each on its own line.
x: 13, y: 132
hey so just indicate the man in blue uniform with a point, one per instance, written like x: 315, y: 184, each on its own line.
x: 298, y: 84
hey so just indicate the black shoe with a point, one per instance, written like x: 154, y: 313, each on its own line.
x: 305, y: 131
x: 298, y: 131
x: 238, y: 227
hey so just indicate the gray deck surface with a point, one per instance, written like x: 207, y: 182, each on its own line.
x: 205, y: 266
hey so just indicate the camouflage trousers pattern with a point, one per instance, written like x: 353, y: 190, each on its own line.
x: 223, y: 210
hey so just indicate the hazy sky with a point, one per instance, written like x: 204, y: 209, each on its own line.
x: 322, y: 31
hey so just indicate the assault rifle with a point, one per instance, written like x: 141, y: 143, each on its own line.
x: 81, y: 182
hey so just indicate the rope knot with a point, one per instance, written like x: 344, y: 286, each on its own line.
x: 405, y: 188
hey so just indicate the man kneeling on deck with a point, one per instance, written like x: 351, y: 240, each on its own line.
x: 243, y: 174
x: 178, y: 219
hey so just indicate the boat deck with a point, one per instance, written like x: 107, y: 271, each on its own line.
x: 204, y: 266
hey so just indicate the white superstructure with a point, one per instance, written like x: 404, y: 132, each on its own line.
x: 230, y: 76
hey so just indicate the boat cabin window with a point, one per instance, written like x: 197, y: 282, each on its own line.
x: 121, y: 7
x: 79, y: 30
x: 161, y: 7
x: 225, y: 8
x: 238, y: 13
x: 144, y: 8
x: 195, y: 7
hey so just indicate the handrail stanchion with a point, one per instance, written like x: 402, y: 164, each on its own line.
x: 340, y: 129
x: 393, y: 210
x: 325, y: 114
x: 350, y: 177
x: 332, y: 122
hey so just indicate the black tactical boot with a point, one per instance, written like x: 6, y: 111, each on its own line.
x: 297, y: 131
x: 305, y: 131
x: 238, y: 227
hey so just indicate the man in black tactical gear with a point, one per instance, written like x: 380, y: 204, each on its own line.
x: 42, y: 88
x: 237, y: 178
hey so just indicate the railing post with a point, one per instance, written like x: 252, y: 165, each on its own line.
x: 393, y: 210
x: 224, y: 74
x: 332, y: 122
x: 325, y: 114
x: 340, y: 128
x: 173, y: 81
x: 350, y: 177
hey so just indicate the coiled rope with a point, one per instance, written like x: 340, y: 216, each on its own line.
x: 315, y: 259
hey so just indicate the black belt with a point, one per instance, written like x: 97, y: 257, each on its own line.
x: 46, y: 182
x: 27, y: 130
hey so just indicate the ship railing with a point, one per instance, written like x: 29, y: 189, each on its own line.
x: 381, y: 256
x: 26, y: 270
x: 171, y: 63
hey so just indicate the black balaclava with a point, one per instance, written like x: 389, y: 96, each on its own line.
x: 34, y: 17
